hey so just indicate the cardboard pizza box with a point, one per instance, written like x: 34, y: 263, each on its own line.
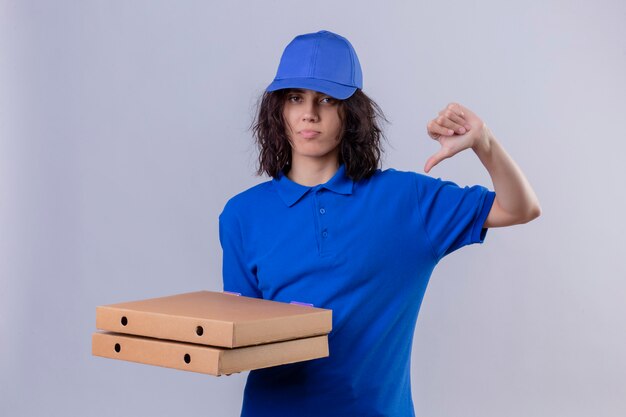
x: 206, y: 359
x: 215, y: 319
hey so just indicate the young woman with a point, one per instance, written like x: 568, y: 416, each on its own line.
x: 332, y: 229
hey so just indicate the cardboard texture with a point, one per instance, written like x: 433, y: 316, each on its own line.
x: 206, y: 359
x: 215, y: 319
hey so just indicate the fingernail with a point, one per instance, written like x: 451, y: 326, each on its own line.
x: 462, y: 130
x: 450, y: 131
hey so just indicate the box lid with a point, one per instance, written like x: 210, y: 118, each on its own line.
x: 214, y: 318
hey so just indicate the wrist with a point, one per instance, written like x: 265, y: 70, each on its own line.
x: 484, y: 142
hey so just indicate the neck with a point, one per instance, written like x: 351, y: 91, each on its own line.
x: 311, y: 172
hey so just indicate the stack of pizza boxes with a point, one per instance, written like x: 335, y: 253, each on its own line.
x: 211, y: 332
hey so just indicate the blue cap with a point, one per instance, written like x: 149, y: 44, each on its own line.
x: 322, y: 61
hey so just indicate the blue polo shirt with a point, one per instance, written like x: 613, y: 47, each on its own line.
x: 363, y: 249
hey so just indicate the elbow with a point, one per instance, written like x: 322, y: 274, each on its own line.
x: 533, y: 213
x: 498, y: 217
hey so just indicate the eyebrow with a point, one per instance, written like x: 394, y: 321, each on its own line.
x: 301, y: 91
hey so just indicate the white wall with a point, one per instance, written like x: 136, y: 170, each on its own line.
x: 123, y: 131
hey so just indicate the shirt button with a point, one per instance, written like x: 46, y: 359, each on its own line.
x: 322, y: 211
x: 324, y: 233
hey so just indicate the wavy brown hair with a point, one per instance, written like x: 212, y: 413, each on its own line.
x: 361, y: 140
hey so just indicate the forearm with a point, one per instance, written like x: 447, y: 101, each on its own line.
x: 514, y: 195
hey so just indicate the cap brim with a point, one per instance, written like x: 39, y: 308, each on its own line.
x: 335, y: 90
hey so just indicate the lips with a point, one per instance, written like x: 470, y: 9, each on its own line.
x: 309, y: 133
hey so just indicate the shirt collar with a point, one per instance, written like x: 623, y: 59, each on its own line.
x: 290, y: 192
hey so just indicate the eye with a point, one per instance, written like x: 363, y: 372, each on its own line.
x: 328, y: 100
x: 293, y: 98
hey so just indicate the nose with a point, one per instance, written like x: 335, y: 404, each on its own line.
x: 310, y: 113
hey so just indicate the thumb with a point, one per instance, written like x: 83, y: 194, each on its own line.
x: 435, y: 159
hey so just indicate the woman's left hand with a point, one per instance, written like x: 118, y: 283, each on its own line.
x: 456, y: 128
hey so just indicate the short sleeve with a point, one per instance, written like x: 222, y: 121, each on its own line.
x: 453, y: 216
x: 238, y: 276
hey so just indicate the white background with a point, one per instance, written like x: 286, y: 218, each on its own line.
x: 124, y: 130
